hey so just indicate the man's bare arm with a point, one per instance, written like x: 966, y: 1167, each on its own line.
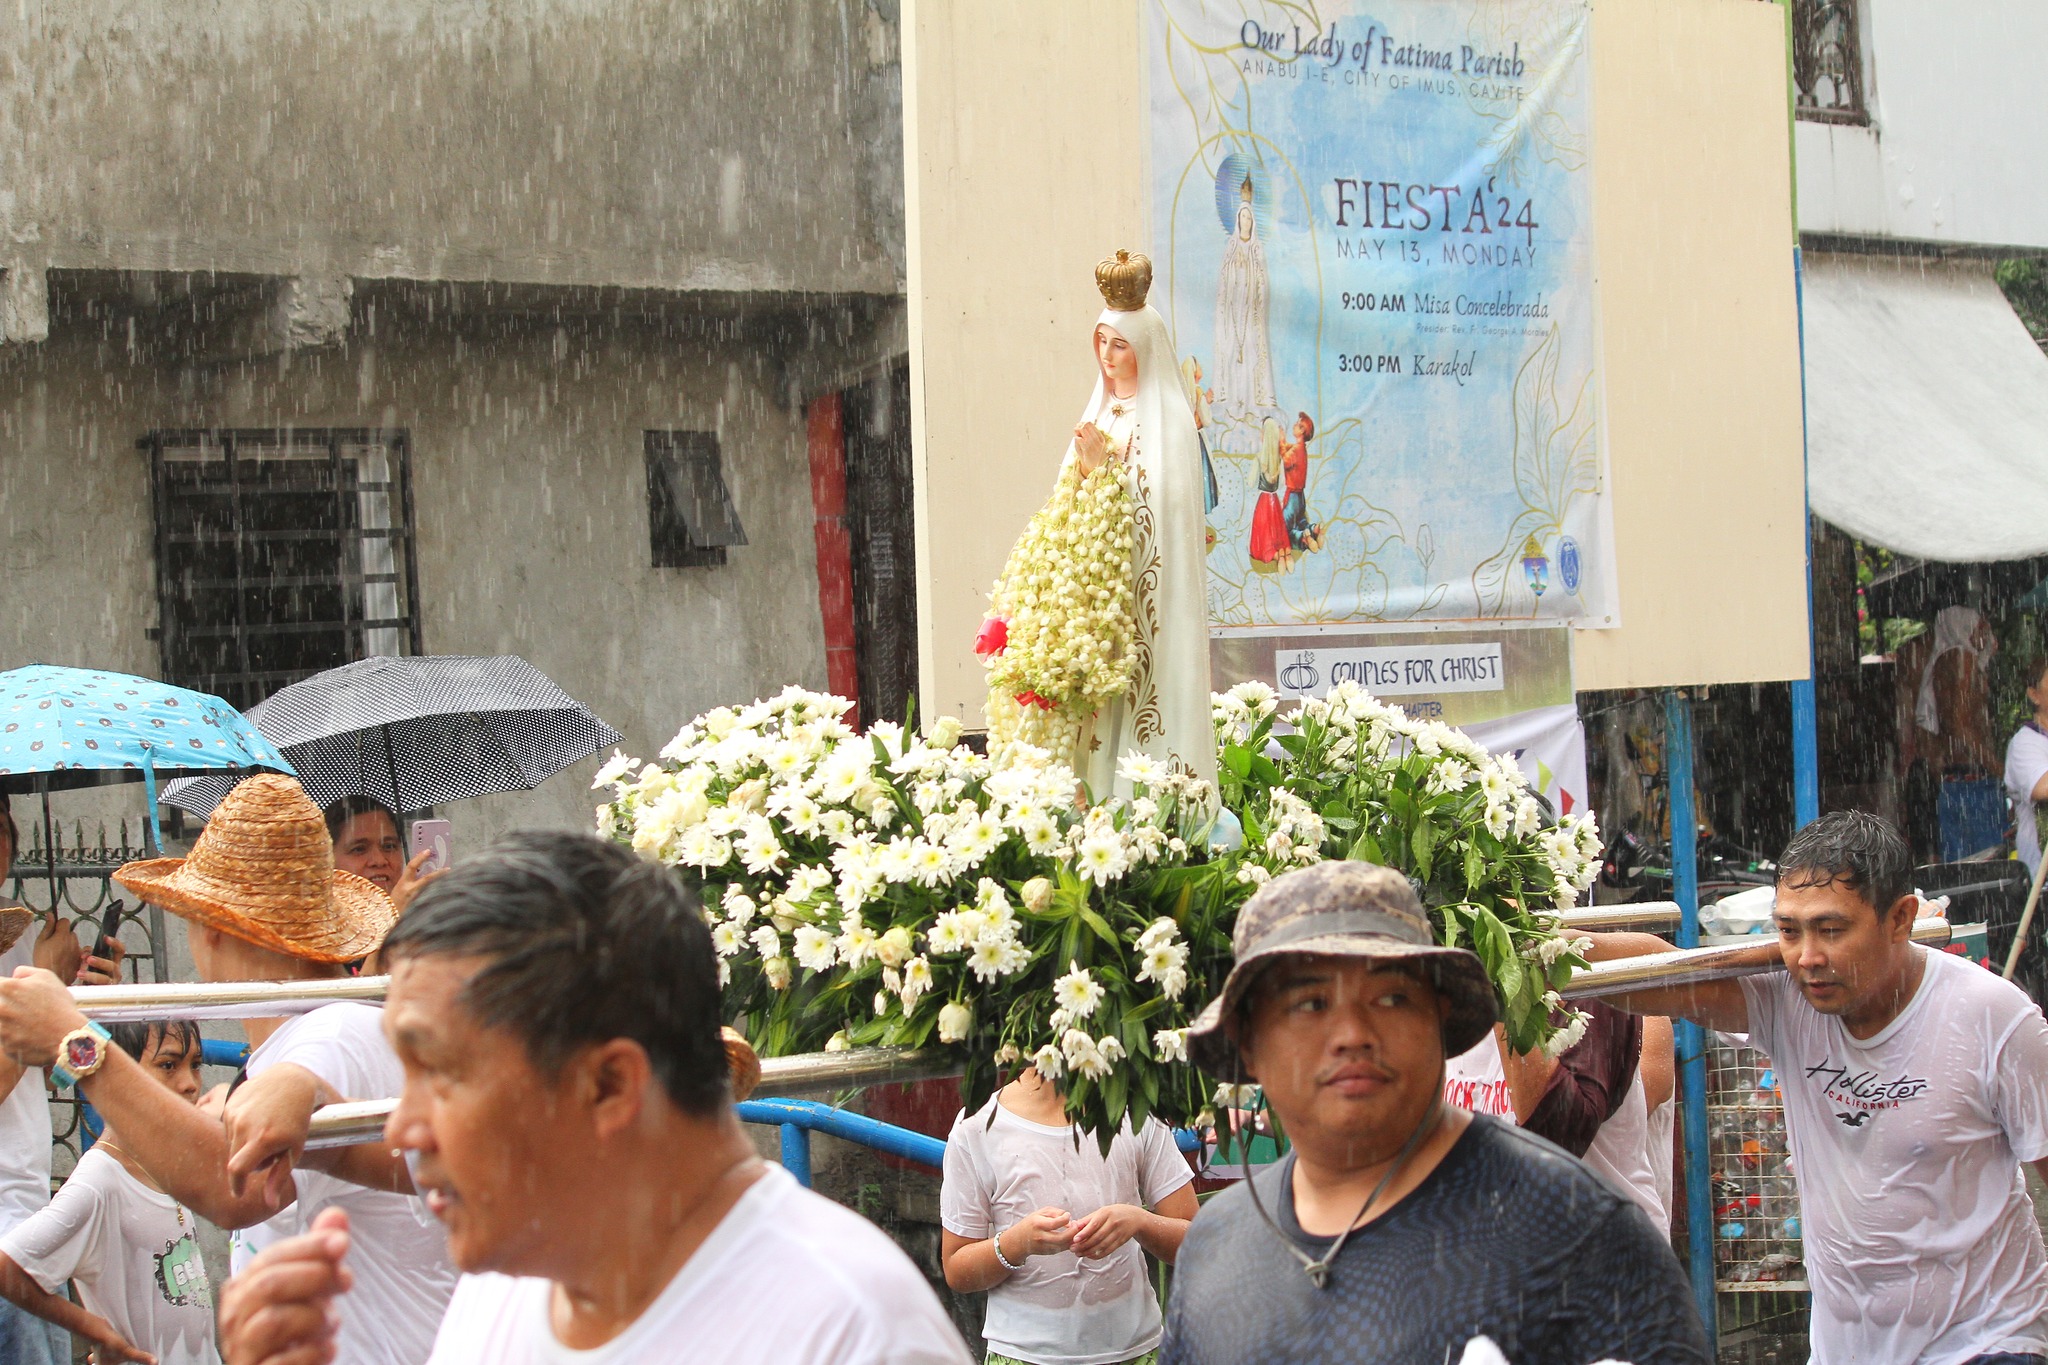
x: 186, y: 1151
x: 1714, y: 1004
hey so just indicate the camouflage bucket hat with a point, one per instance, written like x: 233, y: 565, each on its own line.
x: 1341, y: 909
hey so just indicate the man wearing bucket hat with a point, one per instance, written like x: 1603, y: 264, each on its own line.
x: 1397, y: 1228
x: 265, y: 903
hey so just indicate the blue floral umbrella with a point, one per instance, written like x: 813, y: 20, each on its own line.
x: 62, y: 728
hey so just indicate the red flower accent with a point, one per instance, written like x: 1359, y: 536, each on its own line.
x: 1033, y: 699
x: 994, y: 636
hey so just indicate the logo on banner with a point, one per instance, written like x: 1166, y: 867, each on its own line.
x: 1568, y: 564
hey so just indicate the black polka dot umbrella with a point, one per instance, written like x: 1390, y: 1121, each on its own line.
x: 417, y: 732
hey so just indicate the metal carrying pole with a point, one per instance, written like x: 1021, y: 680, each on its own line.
x: 128, y: 1004
x: 1692, y: 966
x: 343, y: 1125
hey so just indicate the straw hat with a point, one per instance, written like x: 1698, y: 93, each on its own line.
x: 263, y: 870
x: 743, y: 1061
x: 14, y: 922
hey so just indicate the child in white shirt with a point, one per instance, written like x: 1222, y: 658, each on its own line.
x: 1057, y: 1234
x: 129, y: 1247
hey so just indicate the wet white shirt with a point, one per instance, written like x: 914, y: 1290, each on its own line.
x: 1061, y: 1309
x: 400, y: 1257
x: 133, y: 1253
x: 1623, y: 1153
x: 1475, y: 1080
x: 1921, y: 1243
x: 786, y: 1278
x: 24, y: 1122
x: 2026, y: 763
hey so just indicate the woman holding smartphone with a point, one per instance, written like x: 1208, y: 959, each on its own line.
x: 366, y: 842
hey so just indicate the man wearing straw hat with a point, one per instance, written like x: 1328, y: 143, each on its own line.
x: 1397, y: 1228
x: 265, y: 903
x: 568, y: 1111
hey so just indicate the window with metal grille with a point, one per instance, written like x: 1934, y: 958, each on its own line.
x: 1827, y: 61
x: 690, y: 517
x: 280, y: 554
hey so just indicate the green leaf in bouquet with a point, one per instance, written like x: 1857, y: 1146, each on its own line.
x: 1490, y: 940
x: 1367, y: 848
x: 1263, y: 769
x: 1423, y: 842
x: 1475, y: 868
x: 1100, y: 926
x: 1238, y: 760
x: 1293, y: 744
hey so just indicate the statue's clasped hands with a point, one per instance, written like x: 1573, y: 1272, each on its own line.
x: 1091, y: 448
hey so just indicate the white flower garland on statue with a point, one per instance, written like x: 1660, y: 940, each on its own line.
x: 1060, y: 625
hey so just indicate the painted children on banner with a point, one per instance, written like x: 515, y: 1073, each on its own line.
x: 1302, y: 534
x: 1056, y: 1233
x: 129, y: 1247
x: 1270, y: 549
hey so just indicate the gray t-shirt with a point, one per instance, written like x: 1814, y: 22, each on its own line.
x: 1509, y: 1238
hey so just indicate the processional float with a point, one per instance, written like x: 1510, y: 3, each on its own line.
x: 342, y: 1125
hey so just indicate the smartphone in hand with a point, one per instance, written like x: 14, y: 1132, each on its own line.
x: 433, y: 836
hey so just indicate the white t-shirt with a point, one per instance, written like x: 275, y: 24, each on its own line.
x: 1921, y: 1243
x: 24, y: 1121
x: 132, y: 1252
x: 2026, y: 762
x: 400, y: 1257
x: 786, y: 1278
x: 1061, y: 1309
x: 1622, y: 1153
x: 1475, y: 1080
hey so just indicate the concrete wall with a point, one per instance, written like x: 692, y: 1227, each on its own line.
x: 1954, y: 97
x: 529, y: 481
x: 679, y: 144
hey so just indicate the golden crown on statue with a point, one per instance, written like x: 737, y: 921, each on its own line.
x: 1125, y: 281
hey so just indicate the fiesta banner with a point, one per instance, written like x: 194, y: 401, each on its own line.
x: 1372, y: 227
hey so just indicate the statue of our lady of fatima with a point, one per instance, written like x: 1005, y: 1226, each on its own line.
x: 1097, y: 640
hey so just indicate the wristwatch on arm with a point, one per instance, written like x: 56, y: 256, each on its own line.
x: 82, y: 1052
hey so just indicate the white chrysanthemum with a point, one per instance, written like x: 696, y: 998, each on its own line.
x: 613, y: 769
x: 1082, y: 1055
x: 700, y: 848
x: 1161, y: 930
x: 948, y: 935
x: 1500, y: 817
x: 775, y: 971
x: 917, y: 979
x: 1102, y: 857
x: 767, y: 942
x: 857, y: 943
x: 1171, y: 1044
x: 1036, y: 894
x: 1140, y: 770
x: 838, y: 1042
x: 814, y: 948
x: 727, y: 939
x: 1451, y: 775
x: 1047, y: 1061
x: 1164, y: 964
x: 1528, y: 817
x: 1078, y: 992
x: 954, y: 1021
x: 1566, y: 1038
x: 838, y: 825
x: 760, y: 851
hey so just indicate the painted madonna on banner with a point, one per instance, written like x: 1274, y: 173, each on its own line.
x: 1376, y: 242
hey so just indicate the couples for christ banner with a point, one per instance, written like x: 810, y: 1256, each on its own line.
x: 1373, y: 225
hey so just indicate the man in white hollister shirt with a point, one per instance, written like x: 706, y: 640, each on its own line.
x: 1915, y: 1083
x: 568, y: 1117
